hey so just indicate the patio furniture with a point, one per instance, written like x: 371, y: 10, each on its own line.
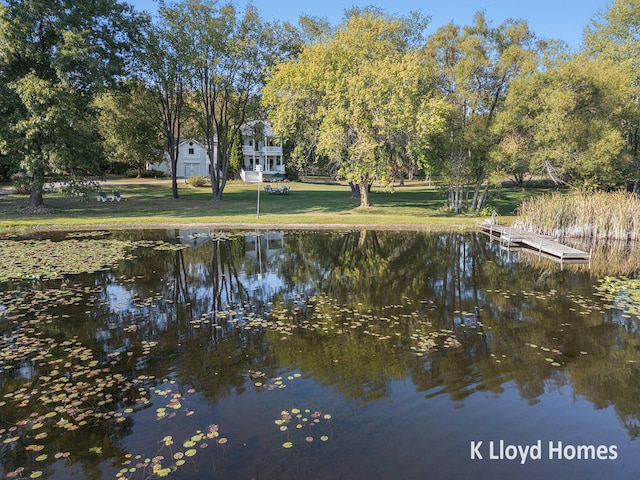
x: 102, y: 197
x: 117, y: 197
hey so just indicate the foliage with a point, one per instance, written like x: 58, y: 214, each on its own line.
x: 197, y: 181
x: 361, y: 97
x: 130, y: 134
x: 476, y: 65
x: 236, y: 160
x: 613, y: 34
x: 567, y: 121
x: 53, y: 57
x: 146, y: 174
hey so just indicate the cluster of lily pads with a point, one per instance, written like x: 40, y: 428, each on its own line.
x: 553, y: 354
x: 72, y: 389
x: 159, y: 245
x: 171, y: 455
x: 262, y: 381
x: 583, y: 305
x: 82, y: 252
x: 621, y: 293
x: 46, y: 259
x: 325, y: 316
x: 298, y: 424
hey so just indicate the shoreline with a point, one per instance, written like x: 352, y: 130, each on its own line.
x: 442, y: 227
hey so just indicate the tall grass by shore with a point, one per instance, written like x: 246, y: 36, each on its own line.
x: 597, y: 215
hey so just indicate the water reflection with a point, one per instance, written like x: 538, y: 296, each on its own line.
x: 238, y: 326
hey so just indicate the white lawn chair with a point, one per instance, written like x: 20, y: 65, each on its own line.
x: 117, y: 197
x: 102, y: 197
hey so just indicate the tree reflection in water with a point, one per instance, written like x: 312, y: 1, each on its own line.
x: 353, y: 312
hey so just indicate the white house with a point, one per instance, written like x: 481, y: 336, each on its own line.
x: 260, y: 148
x: 192, y: 160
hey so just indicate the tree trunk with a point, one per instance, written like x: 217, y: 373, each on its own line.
x: 364, y: 195
x: 456, y: 194
x: 355, y: 190
x: 37, y: 186
x: 483, y: 198
x: 518, y: 179
x: 35, y: 198
x: 476, y: 193
x: 172, y: 151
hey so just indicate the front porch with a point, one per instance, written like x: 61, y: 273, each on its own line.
x: 261, y: 152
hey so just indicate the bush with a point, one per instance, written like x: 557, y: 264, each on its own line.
x: 197, y: 181
x: 291, y: 173
x: 153, y: 174
x: 487, y: 211
x: 133, y: 173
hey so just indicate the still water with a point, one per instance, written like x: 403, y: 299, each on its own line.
x: 313, y: 355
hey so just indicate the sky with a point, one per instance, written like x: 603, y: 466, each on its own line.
x: 557, y: 19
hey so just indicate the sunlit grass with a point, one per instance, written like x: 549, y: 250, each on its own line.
x: 415, y: 205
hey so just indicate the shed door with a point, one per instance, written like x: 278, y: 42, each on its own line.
x: 191, y: 169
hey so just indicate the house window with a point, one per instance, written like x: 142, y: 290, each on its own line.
x: 191, y: 151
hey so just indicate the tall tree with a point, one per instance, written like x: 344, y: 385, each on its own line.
x: 230, y: 52
x: 356, y: 94
x: 569, y: 120
x: 476, y: 65
x: 130, y: 132
x: 614, y: 34
x: 54, y: 56
x: 163, y: 68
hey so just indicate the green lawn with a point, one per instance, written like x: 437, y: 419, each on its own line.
x: 415, y: 205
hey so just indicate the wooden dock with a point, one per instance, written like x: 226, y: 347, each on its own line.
x: 542, y: 244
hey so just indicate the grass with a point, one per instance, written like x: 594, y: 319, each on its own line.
x: 596, y: 215
x: 415, y: 205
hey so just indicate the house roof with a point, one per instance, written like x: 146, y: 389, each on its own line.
x: 248, y: 128
x: 191, y: 140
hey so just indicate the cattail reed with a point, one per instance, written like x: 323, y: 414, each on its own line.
x: 596, y: 215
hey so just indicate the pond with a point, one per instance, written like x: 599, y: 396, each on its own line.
x: 207, y: 354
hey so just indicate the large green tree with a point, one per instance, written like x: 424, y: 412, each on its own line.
x: 129, y: 127
x: 569, y: 121
x: 54, y: 56
x: 229, y: 53
x: 356, y: 95
x: 614, y: 34
x: 476, y: 65
x: 163, y: 67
